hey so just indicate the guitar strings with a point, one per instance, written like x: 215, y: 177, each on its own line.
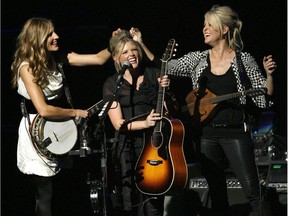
x: 64, y: 133
x: 202, y: 102
x: 219, y: 98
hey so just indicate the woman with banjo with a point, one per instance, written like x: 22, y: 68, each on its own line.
x: 41, y: 83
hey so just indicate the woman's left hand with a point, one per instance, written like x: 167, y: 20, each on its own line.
x: 136, y: 34
x: 164, y: 81
x: 269, y: 64
x: 152, y: 118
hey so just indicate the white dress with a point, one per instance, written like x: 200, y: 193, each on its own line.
x: 29, y: 161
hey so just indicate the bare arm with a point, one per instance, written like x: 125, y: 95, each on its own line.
x: 115, y: 115
x: 99, y: 58
x: 39, y: 102
x: 137, y: 36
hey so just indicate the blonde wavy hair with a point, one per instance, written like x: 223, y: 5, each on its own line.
x: 31, y: 46
x: 117, y: 43
x: 220, y: 16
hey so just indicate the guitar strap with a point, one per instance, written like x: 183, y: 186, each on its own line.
x: 24, y: 110
x: 66, y: 87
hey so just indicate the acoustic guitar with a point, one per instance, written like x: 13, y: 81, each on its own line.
x: 161, y: 166
x: 203, y: 105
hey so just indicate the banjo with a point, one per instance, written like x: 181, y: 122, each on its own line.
x: 52, y: 138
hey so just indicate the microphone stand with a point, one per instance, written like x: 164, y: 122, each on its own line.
x: 99, y: 130
x: 84, y: 149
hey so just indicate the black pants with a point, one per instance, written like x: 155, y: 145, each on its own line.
x: 240, y: 154
x: 43, y: 195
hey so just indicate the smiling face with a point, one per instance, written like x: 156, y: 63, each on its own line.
x: 39, y: 34
x: 129, y: 53
x: 125, y: 49
x: 211, y: 32
x: 222, y: 26
x: 52, y: 41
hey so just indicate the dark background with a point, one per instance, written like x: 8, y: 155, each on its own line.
x: 85, y: 27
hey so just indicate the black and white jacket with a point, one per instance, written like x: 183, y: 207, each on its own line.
x: 193, y: 64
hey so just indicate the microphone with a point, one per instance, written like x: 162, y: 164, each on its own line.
x: 125, y: 66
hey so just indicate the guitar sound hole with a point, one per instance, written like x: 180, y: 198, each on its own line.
x: 157, y: 139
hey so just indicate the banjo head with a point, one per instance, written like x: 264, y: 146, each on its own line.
x: 53, y: 137
x: 62, y: 134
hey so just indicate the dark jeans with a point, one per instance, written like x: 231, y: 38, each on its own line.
x: 240, y: 154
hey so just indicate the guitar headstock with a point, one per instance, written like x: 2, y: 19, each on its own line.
x: 169, y: 51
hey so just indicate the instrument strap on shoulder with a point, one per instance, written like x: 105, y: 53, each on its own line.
x: 24, y: 110
x: 66, y: 87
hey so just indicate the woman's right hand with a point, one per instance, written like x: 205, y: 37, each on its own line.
x: 80, y: 114
x: 117, y: 31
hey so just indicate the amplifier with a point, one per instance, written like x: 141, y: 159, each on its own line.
x: 277, y: 175
x: 239, y: 204
x: 200, y: 182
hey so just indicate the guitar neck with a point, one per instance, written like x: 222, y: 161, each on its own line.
x: 249, y: 92
x: 161, y: 91
x: 160, y: 98
x: 225, y: 97
x: 95, y: 108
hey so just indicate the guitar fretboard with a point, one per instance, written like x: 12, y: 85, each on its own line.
x: 95, y: 108
x: 250, y: 93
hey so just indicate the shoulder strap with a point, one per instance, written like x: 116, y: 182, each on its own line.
x: 24, y: 110
x: 245, y: 81
x: 66, y: 88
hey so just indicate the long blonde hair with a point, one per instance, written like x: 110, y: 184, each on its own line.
x: 220, y: 16
x: 31, y: 47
